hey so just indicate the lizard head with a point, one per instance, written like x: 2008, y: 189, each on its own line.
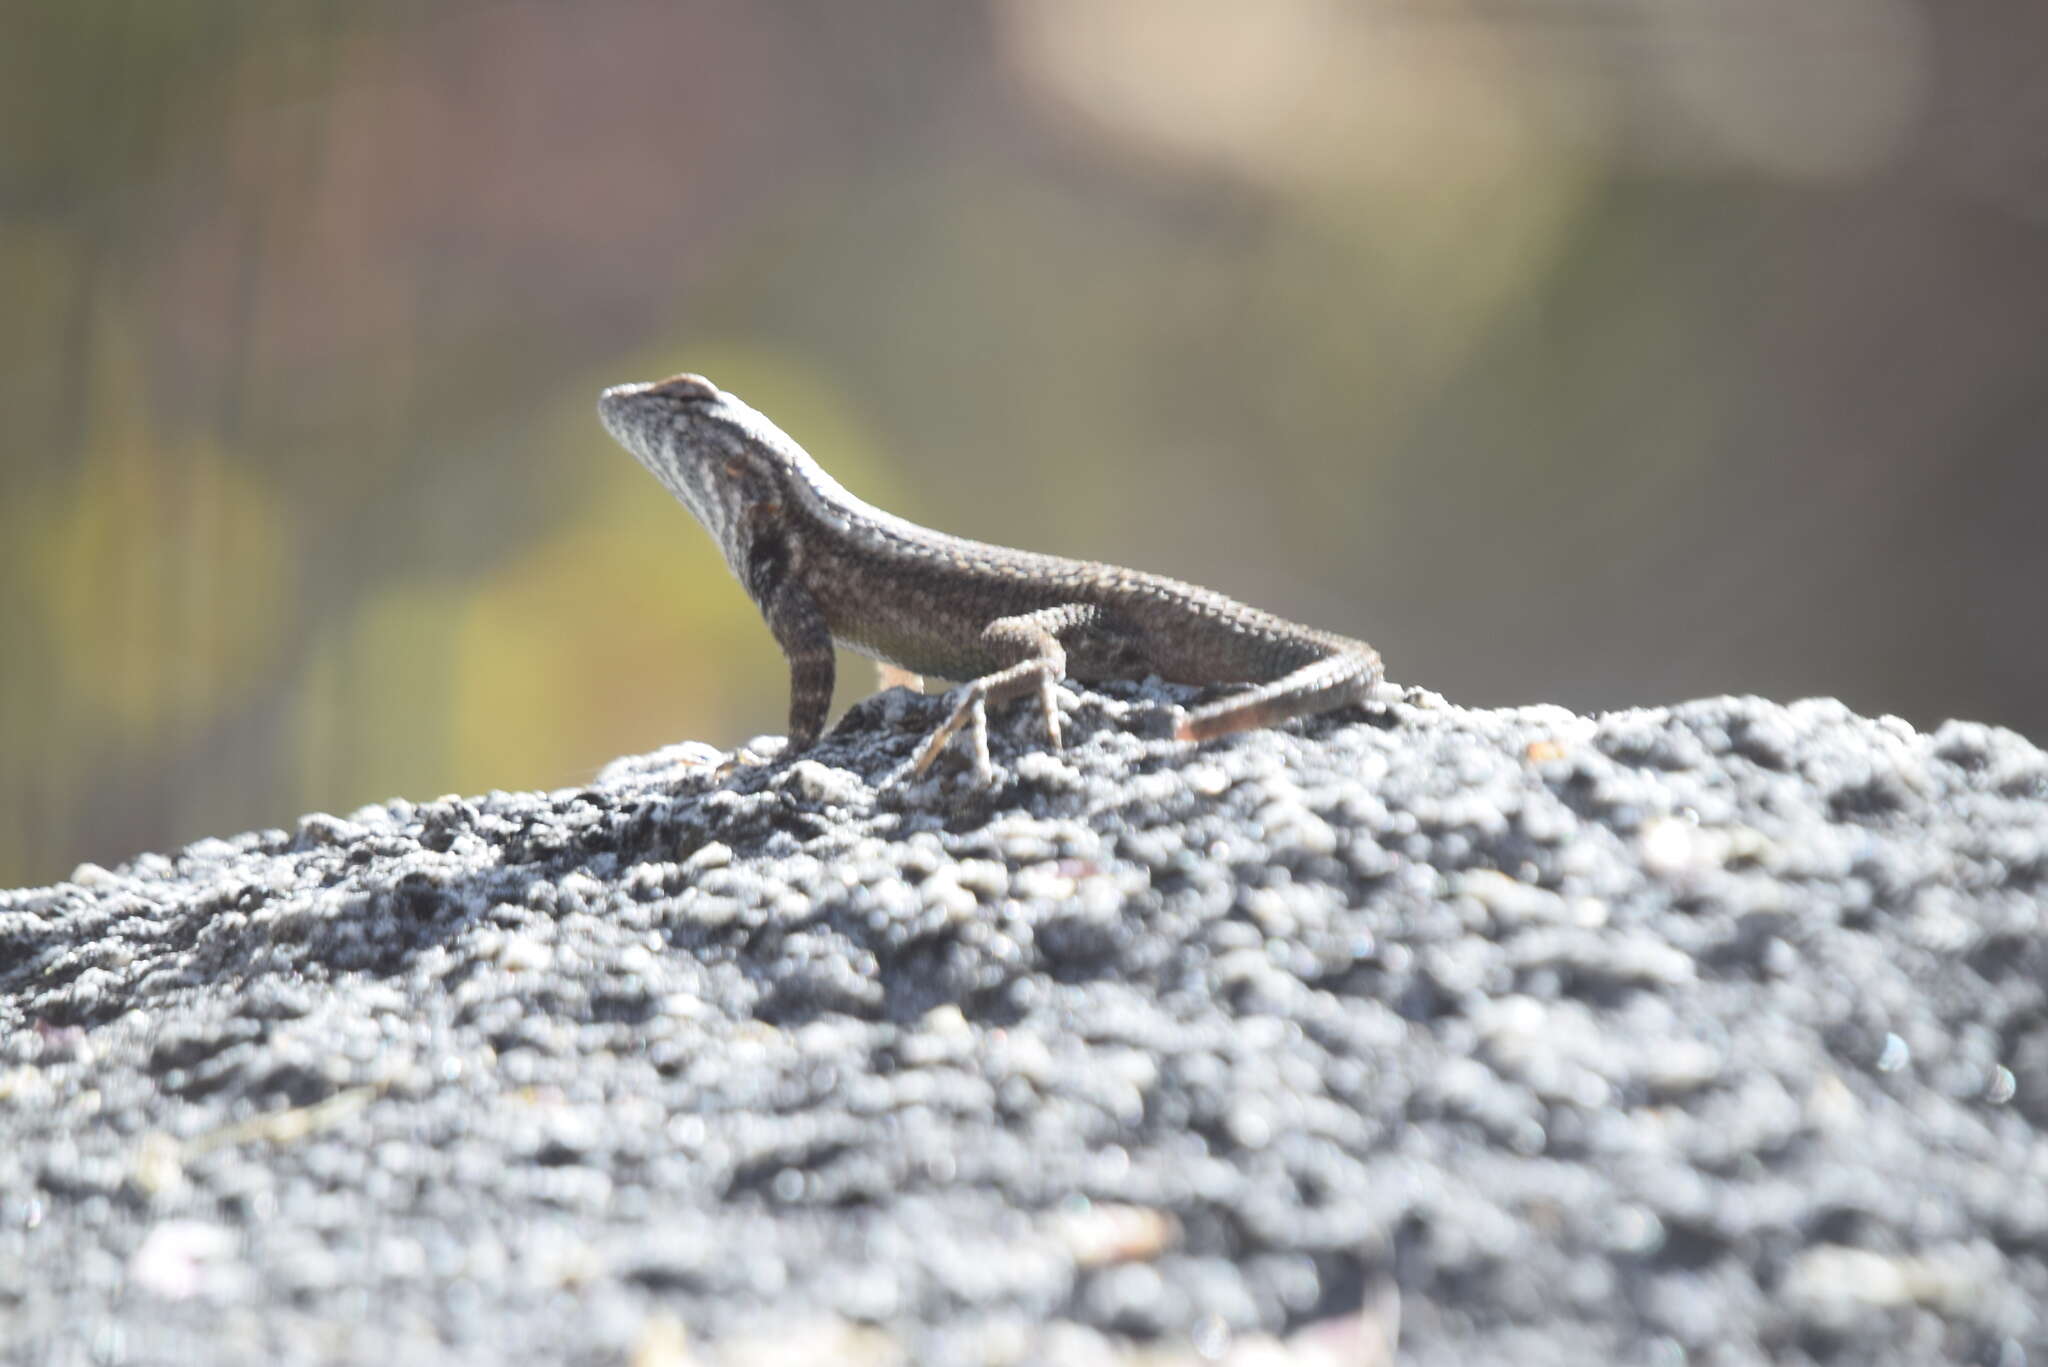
x: 716, y: 454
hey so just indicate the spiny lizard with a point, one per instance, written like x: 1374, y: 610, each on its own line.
x: 825, y: 568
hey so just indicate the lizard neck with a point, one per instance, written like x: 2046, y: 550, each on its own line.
x: 844, y: 516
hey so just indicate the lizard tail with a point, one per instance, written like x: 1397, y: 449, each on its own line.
x: 1332, y: 681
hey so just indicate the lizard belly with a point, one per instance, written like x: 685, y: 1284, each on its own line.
x: 905, y: 648
x: 928, y: 629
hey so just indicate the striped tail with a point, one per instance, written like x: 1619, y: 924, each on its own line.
x: 1345, y: 677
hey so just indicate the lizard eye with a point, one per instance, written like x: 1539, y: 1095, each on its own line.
x: 733, y: 468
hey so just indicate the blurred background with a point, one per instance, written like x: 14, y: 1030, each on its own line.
x: 1603, y: 352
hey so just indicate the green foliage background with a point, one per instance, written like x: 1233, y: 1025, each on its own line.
x: 1586, y: 353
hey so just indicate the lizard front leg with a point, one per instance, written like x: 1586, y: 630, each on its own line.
x: 806, y: 642
x: 1034, y: 636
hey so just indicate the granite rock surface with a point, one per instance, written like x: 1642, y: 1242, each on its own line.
x: 1712, y: 1033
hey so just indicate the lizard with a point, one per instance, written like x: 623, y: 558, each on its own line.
x: 826, y: 569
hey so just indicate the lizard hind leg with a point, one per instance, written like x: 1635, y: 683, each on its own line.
x: 1036, y: 637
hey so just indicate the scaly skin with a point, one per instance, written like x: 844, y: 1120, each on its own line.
x: 826, y: 568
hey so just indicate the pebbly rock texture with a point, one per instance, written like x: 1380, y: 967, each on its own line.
x: 1715, y: 1033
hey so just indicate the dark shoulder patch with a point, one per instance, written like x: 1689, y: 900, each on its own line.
x: 767, y: 565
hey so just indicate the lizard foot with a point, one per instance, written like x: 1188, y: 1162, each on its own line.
x: 972, y: 713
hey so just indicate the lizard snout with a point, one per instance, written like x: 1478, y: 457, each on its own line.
x: 627, y: 408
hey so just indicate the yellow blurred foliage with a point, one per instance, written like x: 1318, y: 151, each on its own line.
x: 590, y: 642
x: 374, y: 697
x: 165, y: 568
